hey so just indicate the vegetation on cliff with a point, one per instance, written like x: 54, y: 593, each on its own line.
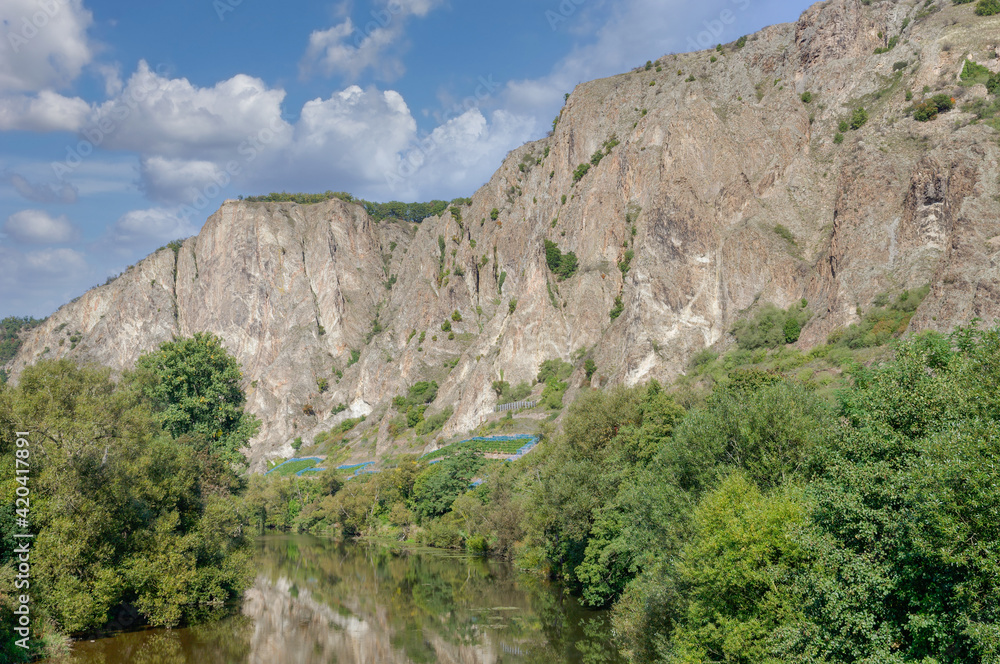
x: 413, y: 212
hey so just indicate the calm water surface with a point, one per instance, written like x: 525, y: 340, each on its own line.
x: 317, y: 601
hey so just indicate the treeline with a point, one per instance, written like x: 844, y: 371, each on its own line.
x: 762, y: 524
x: 412, y: 212
x: 134, y: 494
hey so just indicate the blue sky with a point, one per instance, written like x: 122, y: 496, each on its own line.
x: 125, y: 125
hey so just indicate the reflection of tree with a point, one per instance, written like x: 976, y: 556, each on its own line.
x: 319, y: 601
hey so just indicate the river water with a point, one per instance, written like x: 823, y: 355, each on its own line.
x: 317, y: 601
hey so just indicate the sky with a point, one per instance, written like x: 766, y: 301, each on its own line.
x: 123, y: 126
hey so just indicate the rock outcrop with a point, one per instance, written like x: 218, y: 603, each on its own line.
x: 718, y: 188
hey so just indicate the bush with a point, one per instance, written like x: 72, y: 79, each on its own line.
x: 973, y: 73
x: 771, y: 327
x: 580, y: 171
x: 928, y: 110
x: 494, y: 214
x: 563, y: 265
x: 557, y: 369
x: 988, y: 7
x: 617, y: 309
x: 552, y: 395
x: 859, y: 118
x: 881, y: 323
x: 806, y: 97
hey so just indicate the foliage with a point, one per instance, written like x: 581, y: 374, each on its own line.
x: 10, y: 331
x: 193, y: 385
x: 420, y: 393
x: 556, y: 368
x: 580, y: 171
x: 123, y: 513
x: 806, y: 97
x: 858, y: 118
x: 589, y: 368
x: 928, y: 110
x: 617, y: 309
x: 883, y: 322
x: 435, y: 422
x: 987, y: 7
x: 412, y: 212
x: 552, y: 394
x: 437, y: 487
x: 510, y: 394
x: 771, y: 327
x: 973, y: 73
x: 563, y: 265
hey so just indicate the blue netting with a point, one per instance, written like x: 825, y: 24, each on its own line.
x: 292, y: 461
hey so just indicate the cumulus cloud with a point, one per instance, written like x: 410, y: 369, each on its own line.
x: 173, y: 118
x: 46, y: 111
x: 45, y: 45
x: 350, y: 48
x: 38, y: 227
x: 63, y: 192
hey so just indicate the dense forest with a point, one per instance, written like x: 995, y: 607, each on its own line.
x: 765, y: 521
x: 134, y: 492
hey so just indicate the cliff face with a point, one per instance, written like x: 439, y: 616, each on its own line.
x: 712, y: 157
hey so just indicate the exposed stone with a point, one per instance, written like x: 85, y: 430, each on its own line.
x: 705, y: 171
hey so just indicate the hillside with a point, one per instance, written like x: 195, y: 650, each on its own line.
x: 716, y: 184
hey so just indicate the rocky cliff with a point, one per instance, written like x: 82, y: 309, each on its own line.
x: 717, y: 188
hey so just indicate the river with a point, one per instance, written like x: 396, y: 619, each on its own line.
x: 318, y: 601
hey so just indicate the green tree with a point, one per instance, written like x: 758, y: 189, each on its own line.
x: 123, y: 513
x: 193, y: 385
x: 437, y: 487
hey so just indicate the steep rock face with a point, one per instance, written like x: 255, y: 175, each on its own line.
x: 679, y: 220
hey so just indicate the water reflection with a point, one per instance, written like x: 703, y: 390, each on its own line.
x: 316, y: 601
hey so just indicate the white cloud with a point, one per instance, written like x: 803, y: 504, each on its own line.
x: 63, y: 192
x: 56, y: 264
x: 45, y: 45
x: 154, y: 225
x: 343, y: 49
x: 349, y: 49
x: 46, y: 111
x: 173, y: 118
x: 635, y: 31
x: 38, y: 227
x: 36, y: 283
x: 175, y: 180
